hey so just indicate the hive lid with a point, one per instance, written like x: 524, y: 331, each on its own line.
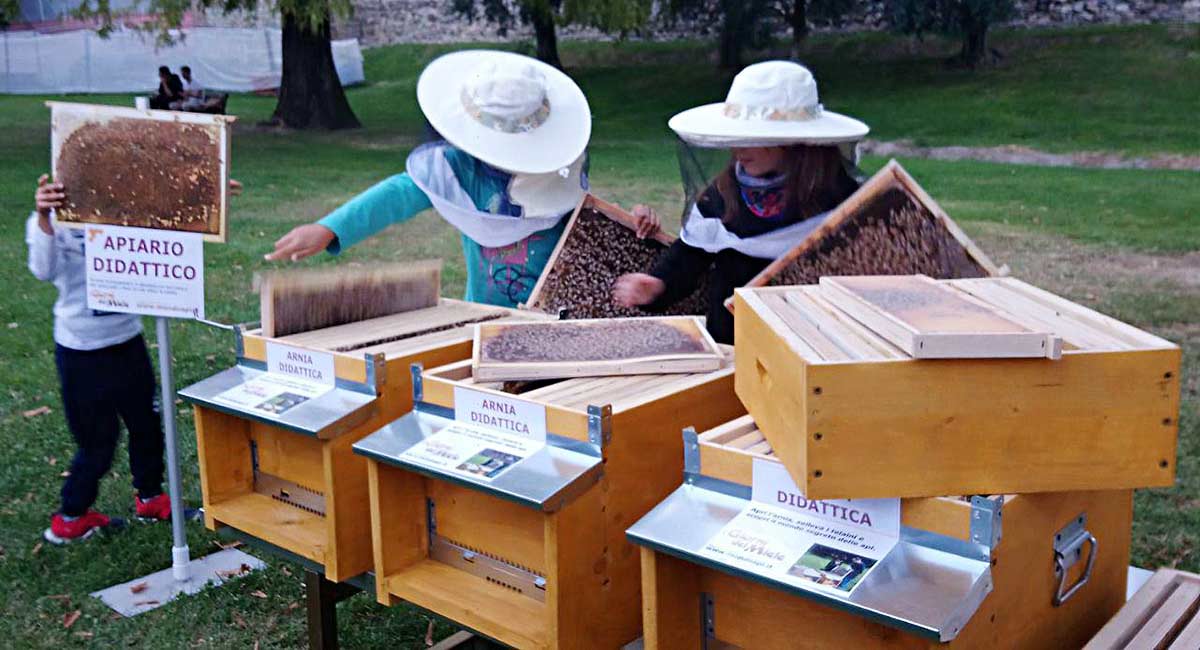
x: 815, y: 320
x: 928, y: 320
x: 545, y: 480
x: 328, y: 415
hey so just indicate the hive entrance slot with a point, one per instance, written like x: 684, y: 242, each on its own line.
x: 492, y: 568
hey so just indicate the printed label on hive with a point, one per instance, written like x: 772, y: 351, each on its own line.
x: 300, y: 363
x: 513, y: 416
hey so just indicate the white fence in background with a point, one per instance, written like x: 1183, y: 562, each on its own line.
x: 230, y: 59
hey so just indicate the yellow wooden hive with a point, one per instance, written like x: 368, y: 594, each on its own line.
x: 537, y: 559
x: 978, y: 572
x: 294, y: 481
x: 853, y: 416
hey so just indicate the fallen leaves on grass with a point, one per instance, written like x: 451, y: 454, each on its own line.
x: 65, y: 599
x: 36, y: 549
x: 85, y: 634
x: 225, y: 547
x: 238, y: 621
x: 429, y: 635
x: 138, y: 588
x: 258, y: 593
x: 229, y: 573
x: 33, y: 413
x: 69, y: 618
x: 285, y: 571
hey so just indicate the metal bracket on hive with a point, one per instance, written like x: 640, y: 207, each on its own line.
x: 490, y: 567
x: 1068, y: 551
x: 285, y: 491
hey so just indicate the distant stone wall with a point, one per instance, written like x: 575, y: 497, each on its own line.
x: 383, y: 22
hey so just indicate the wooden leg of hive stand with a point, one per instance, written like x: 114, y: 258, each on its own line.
x: 321, y: 597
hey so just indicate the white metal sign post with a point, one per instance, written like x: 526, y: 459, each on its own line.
x: 158, y: 273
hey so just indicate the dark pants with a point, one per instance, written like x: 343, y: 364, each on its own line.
x: 161, y: 102
x: 98, y: 386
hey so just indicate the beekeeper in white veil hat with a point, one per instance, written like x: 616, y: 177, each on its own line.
x: 508, y: 163
x: 761, y: 170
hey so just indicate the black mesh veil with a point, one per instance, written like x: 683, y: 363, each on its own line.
x: 699, y: 166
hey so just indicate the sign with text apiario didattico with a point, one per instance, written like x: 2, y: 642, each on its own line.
x: 148, y: 272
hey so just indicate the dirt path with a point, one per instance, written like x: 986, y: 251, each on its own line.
x: 1018, y: 155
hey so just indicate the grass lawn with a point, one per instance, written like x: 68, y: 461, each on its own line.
x: 1124, y: 241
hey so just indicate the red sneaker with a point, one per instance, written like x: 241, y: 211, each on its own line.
x: 156, y: 508
x: 62, y: 531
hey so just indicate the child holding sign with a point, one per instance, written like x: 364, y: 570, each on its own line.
x: 104, y: 375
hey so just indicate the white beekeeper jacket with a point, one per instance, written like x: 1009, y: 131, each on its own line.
x: 59, y: 258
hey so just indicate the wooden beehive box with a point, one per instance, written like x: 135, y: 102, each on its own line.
x: 921, y: 596
x: 597, y: 247
x: 1162, y: 614
x: 165, y: 170
x: 853, y: 417
x: 295, y: 483
x: 889, y: 226
x: 548, y: 572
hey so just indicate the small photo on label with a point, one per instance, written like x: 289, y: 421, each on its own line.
x: 282, y: 403
x: 831, y: 567
x: 488, y: 463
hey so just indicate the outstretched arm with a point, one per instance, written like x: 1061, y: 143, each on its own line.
x: 393, y: 200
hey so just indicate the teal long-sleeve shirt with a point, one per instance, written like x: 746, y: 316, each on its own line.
x: 501, y: 276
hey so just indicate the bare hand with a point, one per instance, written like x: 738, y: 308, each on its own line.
x: 647, y: 221
x: 49, y: 196
x: 637, y: 289
x: 301, y: 242
x: 235, y: 187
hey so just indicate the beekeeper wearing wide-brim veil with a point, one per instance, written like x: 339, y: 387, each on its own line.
x: 761, y: 170
x: 507, y: 161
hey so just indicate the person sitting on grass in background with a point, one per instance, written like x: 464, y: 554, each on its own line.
x: 170, y: 89
x: 509, y: 163
x: 192, y: 96
x: 104, y: 375
x: 785, y: 172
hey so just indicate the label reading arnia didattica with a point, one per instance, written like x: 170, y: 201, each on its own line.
x: 512, y: 416
x: 300, y: 363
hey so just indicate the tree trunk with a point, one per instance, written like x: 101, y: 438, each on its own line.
x: 974, y: 45
x: 310, y: 93
x: 799, y: 22
x: 547, y: 39
x: 731, y: 28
